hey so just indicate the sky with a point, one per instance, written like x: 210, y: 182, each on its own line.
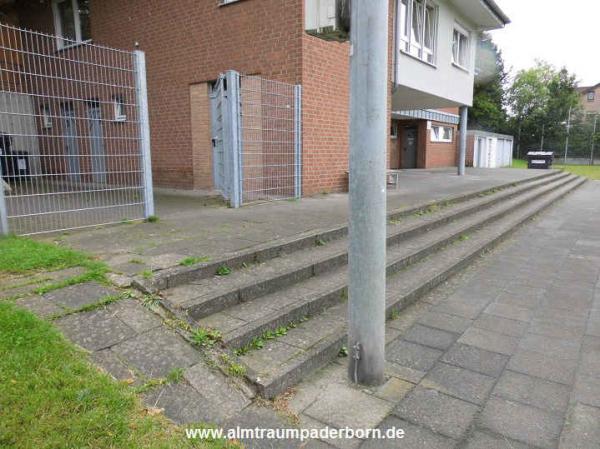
x: 564, y: 33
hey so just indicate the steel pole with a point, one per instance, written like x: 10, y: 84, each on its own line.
x: 567, y: 139
x: 593, y: 140
x: 462, y: 149
x: 368, y: 143
x: 144, y: 124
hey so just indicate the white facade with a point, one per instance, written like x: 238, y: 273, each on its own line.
x: 491, y: 150
x: 435, y: 44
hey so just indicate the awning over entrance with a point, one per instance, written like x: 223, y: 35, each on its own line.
x: 427, y: 114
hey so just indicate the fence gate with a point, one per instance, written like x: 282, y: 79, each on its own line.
x: 256, y: 129
x: 74, y: 137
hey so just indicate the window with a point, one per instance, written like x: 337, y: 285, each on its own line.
x: 46, y: 117
x: 119, y: 108
x: 441, y: 133
x: 394, y: 130
x: 417, y: 29
x: 460, y: 47
x: 591, y: 96
x: 71, y: 20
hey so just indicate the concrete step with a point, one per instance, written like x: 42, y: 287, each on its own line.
x: 205, y: 296
x: 173, y: 277
x: 243, y: 322
x: 286, y: 360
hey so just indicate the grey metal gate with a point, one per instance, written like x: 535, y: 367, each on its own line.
x: 74, y: 135
x: 257, y: 138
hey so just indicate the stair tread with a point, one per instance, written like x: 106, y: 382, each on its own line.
x: 250, y: 317
x: 284, y: 354
x: 213, y: 288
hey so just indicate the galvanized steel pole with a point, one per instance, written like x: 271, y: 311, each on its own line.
x: 368, y: 142
x: 462, y: 149
x: 144, y: 124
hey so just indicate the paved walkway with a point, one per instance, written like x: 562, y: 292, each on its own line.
x: 187, y: 228
x: 507, y: 355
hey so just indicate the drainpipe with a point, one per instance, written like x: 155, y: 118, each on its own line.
x: 367, y: 231
x: 462, y: 145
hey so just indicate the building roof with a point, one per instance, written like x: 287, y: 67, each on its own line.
x: 585, y: 89
x: 497, y: 11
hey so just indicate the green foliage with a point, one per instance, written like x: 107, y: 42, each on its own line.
x: 223, y: 270
x: 152, y: 219
x: 236, y: 369
x: 50, y: 389
x: 206, y: 337
x: 175, y: 376
x: 540, y: 99
x: 343, y: 352
x: 146, y: 274
x: 489, y: 103
x: 189, y: 261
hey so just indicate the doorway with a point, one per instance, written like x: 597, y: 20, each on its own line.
x: 70, y: 141
x: 409, y: 147
x: 97, y: 142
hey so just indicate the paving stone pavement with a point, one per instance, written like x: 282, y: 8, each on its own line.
x: 132, y: 344
x: 504, y: 356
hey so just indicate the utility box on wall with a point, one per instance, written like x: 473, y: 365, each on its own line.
x: 328, y: 19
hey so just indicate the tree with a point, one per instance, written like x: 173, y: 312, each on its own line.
x: 489, y: 111
x: 539, y: 102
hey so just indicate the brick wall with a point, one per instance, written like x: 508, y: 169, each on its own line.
x: 441, y: 154
x: 189, y: 42
x: 325, y: 114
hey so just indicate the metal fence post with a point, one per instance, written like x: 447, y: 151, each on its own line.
x: 233, y: 106
x: 3, y: 210
x: 144, y: 124
x: 298, y: 141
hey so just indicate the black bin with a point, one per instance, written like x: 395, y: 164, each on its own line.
x: 540, y: 159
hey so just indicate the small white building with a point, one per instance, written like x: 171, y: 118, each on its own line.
x: 489, y: 150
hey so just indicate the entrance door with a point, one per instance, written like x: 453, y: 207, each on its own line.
x: 70, y: 135
x: 409, y: 148
x: 97, y: 142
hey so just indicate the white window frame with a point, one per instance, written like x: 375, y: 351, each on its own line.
x: 461, y: 30
x: 65, y: 42
x: 439, y: 135
x: 408, y: 40
x: 119, y: 108
x: 591, y: 96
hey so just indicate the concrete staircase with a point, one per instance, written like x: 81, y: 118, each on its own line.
x: 282, y: 308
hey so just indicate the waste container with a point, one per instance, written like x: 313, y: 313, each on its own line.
x: 540, y: 159
x: 6, y: 161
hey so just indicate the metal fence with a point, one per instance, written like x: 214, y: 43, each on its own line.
x: 74, y: 137
x: 256, y: 126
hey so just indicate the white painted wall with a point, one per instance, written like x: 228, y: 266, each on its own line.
x: 17, y: 119
x: 422, y: 85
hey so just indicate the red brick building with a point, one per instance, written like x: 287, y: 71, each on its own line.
x: 188, y: 43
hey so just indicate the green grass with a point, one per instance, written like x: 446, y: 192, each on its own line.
x: 588, y: 171
x: 519, y: 163
x: 21, y: 255
x: 52, y: 397
x: 189, y: 261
